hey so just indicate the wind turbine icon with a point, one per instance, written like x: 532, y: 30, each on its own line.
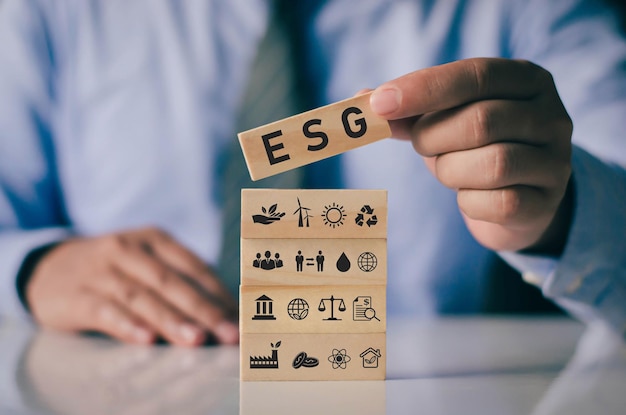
x: 303, y: 215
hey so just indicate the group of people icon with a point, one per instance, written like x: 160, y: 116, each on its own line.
x: 319, y: 260
x: 268, y: 262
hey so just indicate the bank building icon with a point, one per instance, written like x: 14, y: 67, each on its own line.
x: 264, y: 308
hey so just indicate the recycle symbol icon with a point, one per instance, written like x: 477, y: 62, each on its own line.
x: 366, y: 216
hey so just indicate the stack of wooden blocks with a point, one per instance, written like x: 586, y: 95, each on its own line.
x: 313, y: 284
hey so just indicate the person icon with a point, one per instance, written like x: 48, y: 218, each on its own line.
x: 257, y: 262
x: 320, y: 262
x: 279, y: 262
x: 268, y: 263
x: 299, y: 261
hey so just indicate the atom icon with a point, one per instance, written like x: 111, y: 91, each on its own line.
x: 339, y: 358
x: 333, y: 215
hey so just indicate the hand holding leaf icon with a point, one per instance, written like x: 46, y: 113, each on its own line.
x: 269, y: 215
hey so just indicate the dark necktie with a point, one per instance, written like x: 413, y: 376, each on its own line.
x: 270, y: 95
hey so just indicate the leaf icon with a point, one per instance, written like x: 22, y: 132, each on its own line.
x: 263, y: 209
x: 273, y: 208
x: 278, y: 344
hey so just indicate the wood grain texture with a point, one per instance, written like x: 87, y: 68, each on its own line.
x: 314, y: 261
x: 315, y: 309
x: 273, y: 356
x: 313, y: 214
x: 311, y: 136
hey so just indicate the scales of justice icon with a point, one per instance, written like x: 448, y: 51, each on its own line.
x: 341, y: 306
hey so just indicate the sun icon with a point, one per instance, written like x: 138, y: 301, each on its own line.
x: 333, y: 215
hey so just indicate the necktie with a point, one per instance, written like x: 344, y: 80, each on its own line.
x: 271, y: 95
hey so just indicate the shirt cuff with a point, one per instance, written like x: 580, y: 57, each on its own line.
x: 590, y: 277
x: 14, y: 247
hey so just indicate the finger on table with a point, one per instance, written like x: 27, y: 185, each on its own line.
x: 185, y: 262
x: 95, y: 312
x: 147, y: 270
x: 151, y: 308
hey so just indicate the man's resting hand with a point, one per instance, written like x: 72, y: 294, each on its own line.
x: 135, y: 286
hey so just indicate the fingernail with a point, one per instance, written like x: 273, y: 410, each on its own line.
x: 142, y: 335
x: 190, y: 333
x: 385, y: 101
x: 227, y: 332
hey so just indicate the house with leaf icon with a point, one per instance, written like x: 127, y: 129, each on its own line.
x: 370, y: 357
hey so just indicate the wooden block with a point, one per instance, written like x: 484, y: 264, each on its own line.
x: 313, y: 398
x: 313, y: 261
x: 311, y: 136
x: 313, y: 309
x: 309, y: 214
x: 290, y: 356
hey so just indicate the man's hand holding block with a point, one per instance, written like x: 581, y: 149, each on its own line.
x: 311, y: 136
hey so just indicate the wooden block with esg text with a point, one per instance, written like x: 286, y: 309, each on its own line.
x: 313, y: 261
x: 290, y: 356
x: 313, y: 309
x: 308, y: 214
x: 311, y: 136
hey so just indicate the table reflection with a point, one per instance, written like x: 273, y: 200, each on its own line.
x: 536, y: 367
x: 72, y: 375
x: 594, y: 378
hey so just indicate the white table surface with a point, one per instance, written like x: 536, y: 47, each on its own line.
x: 470, y: 365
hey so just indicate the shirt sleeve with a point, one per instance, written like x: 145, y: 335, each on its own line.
x: 589, y: 279
x: 580, y: 43
x: 31, y: 209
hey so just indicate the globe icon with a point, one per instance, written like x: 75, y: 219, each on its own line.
x: 367, y: 262
x: 298, y: 309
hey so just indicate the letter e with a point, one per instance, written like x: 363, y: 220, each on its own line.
x: 270, y: 149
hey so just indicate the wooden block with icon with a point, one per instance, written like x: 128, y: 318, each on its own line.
x: 313, y: 356
x: 313, y: 214
x: 313, y: 262
x: 313, y: 284
x: 313, y: 309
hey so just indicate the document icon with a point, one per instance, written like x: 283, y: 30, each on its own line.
x: 362, y: 309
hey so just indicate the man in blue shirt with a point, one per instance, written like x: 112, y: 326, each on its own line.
x: 114, y: 117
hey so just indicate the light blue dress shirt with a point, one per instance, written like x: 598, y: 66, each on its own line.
x: 114, y: 114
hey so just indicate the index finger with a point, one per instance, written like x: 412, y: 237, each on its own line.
x: 176, y: 291
x: 457, y: 83
x: 181, y: 259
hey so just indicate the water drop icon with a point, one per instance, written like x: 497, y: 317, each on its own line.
x: 343, y: 263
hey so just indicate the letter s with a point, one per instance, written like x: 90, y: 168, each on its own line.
x: 315, y: 134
